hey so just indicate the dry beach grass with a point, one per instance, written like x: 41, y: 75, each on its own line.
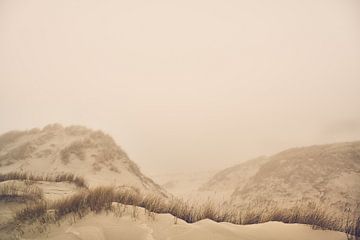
x: 60, y: 177
x: 101, y: 199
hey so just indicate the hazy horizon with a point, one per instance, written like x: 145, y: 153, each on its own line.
x: 185, y: 85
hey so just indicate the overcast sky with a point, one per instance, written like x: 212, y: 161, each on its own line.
x: 190, y: 84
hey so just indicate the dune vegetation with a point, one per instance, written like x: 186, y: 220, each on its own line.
x: 60, y: 177
x: 20, y: 191
x: 102, y: 198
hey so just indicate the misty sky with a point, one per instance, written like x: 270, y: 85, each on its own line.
x: 190, y: 84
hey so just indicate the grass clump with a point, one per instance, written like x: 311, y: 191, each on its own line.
x: 80, y: 203
x: 61, y: 177
x: 20, y: 191
x: 32, y: 212
x: 100, y: 198
x: 73, y: 204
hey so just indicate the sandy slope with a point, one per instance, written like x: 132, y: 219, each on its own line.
x: 123, y: 225
x: 7, y: 211
x: 74, y: 149
x: 329, y: 174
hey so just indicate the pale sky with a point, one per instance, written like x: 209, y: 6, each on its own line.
x: 190, y: 84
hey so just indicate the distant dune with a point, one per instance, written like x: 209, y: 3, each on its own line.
x: 328, y: 174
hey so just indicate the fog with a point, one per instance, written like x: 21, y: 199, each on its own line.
x: 185, y: 85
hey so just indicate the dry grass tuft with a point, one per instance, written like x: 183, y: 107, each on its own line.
x: 72, y: 204
x: 20, y: 191
x: 128, y: 196
x: 153, y: 203
x: 32, y: 212
x: 61, y: 177
x: 100, y: 198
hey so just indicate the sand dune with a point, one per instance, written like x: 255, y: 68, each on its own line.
x: 136, y: 223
